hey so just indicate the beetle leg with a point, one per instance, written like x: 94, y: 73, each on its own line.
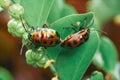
x: 32, y: 28
x: 71, y: 27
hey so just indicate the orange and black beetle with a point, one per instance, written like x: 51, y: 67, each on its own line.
x: 77, y: 38
x: 44, y: 36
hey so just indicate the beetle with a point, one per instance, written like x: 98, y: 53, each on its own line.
x: 44, y: 36
x: 78, y: 37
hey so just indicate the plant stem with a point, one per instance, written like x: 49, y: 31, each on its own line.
x: 53, y: 69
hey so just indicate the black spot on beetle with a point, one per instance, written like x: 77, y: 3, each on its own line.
x: 33, y: 35
x: 57, y: 41
x: 37, y: 41
x: 44, y: 42
x: 69, y: 44
x: 75, y: 41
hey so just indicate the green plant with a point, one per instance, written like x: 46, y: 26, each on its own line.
x: 70, y: 64
x: 107, y: 56
x: 4, y: 3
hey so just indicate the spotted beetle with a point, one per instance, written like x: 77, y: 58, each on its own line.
x: 77, y: 38
x: 44, y: 36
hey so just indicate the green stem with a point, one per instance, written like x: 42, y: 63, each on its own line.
x: 52, y: 68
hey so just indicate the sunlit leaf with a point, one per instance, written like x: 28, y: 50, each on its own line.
x: 37, y: 11
x: 60, y: 9
x: 72, y: 63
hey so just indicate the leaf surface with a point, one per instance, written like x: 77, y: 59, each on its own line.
x: 72, y: 63
x: 37, y: 11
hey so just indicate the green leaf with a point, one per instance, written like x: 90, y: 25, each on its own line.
x: 59, y: 10
x: 55, y: 11
x: 67, y: 10
x: 109, y: 54
x: 5, y: 74
x: 97, y: 76
x: 72, y: 63
x: 66, y: 22
x: 36, y: 11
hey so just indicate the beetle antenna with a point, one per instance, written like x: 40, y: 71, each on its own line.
x: 23, y: 24
x: 101, y: 31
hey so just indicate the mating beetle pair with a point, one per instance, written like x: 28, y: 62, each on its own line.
x: 47, y: 37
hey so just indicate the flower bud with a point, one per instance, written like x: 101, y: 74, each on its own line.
x: 37, y: 57
x: 16, y: 10
x: 4, y: 3
x: 15, y: 28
